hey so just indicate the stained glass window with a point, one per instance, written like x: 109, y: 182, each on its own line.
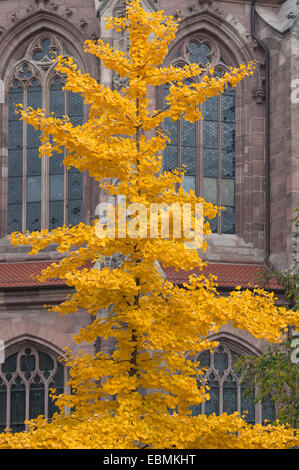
x: 41, y: 192
x: 26, y: 377
x: 227, y: 393
x: 206, y: 149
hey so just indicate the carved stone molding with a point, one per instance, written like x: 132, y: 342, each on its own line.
x: 259, y: 95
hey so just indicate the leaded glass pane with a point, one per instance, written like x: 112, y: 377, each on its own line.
x: 171, y: 128
x: 227, y: 163
x: 170, y: 158
x: 210, y: 109
x: 210, y: 190
x: 15, y: 96
x: 3, y: 398
x: 199, y: 54
x: 55, y: 163
x: 75, y: 185
x: 228, y: 107
x: 27, y: 362
x: 15, y: 134
x: 188, y: 133
x: 228, y: 135
x: 210, y: 134
x: 247, y: 405
x: 227, y: 192
x: 56, y: 212
x: 46, y: 362
x: 15, y: 190
x: 188, y: 183
x: 33, y: 214
x: 268, y: 410
x: 75, y: 108
x: 228, y: 220
x: 57, y: 187
x: 44, y: 51
x: 220, y: 360
x: 33, y: 189
x: 212, y: 405
x: 36, y: 398
x: 75, y: 212
x: 57, y: 100
x: 14, y: 218
x: 33, y: 162
x: 57, y: 384
x: 17, y: 406
x: 210, y: 163
x: 230, y: 395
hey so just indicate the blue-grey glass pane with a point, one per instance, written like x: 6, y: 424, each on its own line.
x: 75, y: 212
x: 2, y: 406
x: 170, y: 158
x: 210, y: 109
x: 171, y: 128
x: 17, y: 407
x: 33, y: 188
x: 55, y: 163
x: 188, y: 183
x: 34, y: 97
x: 210, y: 190
x: 10, y: 364
x: 36, y: 398
x: 75, y: 185
x: 45, y: 50
x: 57, y: 100
x: 220, y: 360
x: 228, y: 163
x: 55, y: 214
x: 199, y: 53
x: 228, y: 107
x: 228, y: 220
x: 188, y: 133
x: 227, y: 192
x: 213, y: 224
x: 212, y: 405
x: 33, y: 216
x: 46, y: 362
x: 204, y: 359
x: 15, y: 96
x: 230, y: 404
x: 210, y: 134
x: 268, y: 410
x: 247, y: 404
x: 188, y: 158
x: 75, y: 104
x: 210, y: 163
x: 33, y: 162
x: 76, y: 120
x: 57, y: 187
x: 15, y: 162
x: 15, y: 190
x: 14, y: 218
x: 228, y: 136
x: 33, y: 137
x: 57, y: 383
x: 27, y: 362
x: 15, y: 135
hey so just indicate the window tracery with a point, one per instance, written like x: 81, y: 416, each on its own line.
x: 26, y: 378
x: 41, y: 192
x: 227, y: 392
x: 206, y: 148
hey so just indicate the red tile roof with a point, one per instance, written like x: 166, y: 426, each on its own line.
x: 228, y: 275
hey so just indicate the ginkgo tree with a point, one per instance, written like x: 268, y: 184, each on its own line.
x: 140, y: 395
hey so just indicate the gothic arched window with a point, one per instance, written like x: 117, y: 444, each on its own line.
x: 206, y: 148
x: 227, y: 393
x: 41, y: 192
x: 26, y: 377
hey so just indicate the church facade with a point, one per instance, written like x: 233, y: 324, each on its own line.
x: 244, y: 155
